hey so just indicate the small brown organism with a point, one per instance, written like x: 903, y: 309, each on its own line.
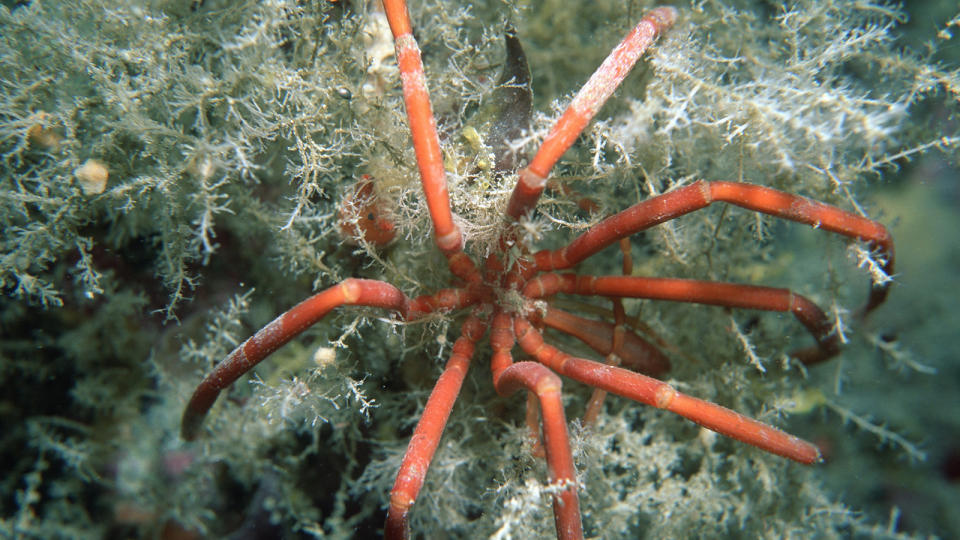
x: 43, y: 133
x: 362, y: 216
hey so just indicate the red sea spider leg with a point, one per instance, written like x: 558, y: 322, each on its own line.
x: 659, y: 394
x: 584, y: 107
x: 634, y: 352
x: 426, y: 142
x: 423, y: 129
x: 733, y: 295
x: 350, y: 292
x: 426, y: 436
x: 538, y: 380
x: 547, y: 387
x: 701, y: 194
x: 618, y: 340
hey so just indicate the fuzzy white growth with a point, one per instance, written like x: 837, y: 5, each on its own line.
x: 874, y: 266
x: 747, y: 346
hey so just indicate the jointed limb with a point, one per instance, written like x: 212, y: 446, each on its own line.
x: 350, y: 292
x: 426, y: 436
x: 545, y: 385
x: 617, y: 340
x: 715, y: 293
x: 634, y: 352
x: 584, y: 107
x: 678, y: 202
x: 661, y: 395
x: 426, y: 142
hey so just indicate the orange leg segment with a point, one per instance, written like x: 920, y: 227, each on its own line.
x: 617, y: 339
x: 676, y: 203
x: 509, y: 377
x: 584, y: 107
x: 546, y: 385
x: 426, y: 142
x: 661, y: 395
x: 350, y: 292
x: 634, y: 352
x: 715, y: 293
x: 426, y: 436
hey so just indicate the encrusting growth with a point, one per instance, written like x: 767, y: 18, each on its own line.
x: 485, y: 289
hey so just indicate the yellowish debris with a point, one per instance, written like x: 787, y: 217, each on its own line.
x: 92, y: 176
x: 42, y: 133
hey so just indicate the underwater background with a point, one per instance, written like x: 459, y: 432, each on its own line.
x: 171, y: 178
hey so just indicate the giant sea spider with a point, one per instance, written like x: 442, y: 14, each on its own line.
x: 506, y: 293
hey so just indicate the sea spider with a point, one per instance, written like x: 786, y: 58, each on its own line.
x: 506, y: 293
